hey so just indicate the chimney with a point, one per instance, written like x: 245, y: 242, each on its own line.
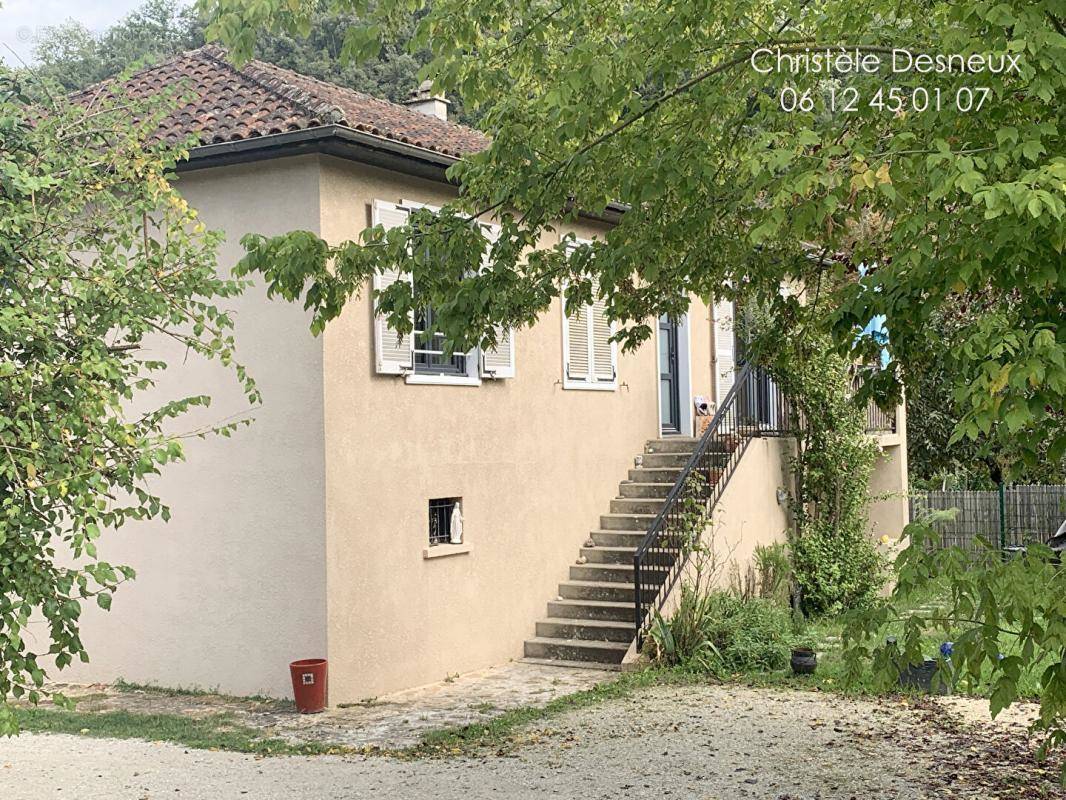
x: 424, y: 101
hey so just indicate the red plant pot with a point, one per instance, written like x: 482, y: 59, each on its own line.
x: 310, y: 678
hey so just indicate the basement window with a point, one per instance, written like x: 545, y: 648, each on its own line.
x: 442, y: 514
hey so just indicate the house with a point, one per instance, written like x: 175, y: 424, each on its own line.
x: 326, y: 527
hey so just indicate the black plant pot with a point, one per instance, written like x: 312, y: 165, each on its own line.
x: 924, y: 678
x: 804, y: 661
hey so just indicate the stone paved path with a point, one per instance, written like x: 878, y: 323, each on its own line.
x: 391, y: 721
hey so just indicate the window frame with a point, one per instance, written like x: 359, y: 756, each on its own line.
x: 443, y: 502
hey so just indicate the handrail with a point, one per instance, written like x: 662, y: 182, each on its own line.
x: 754, y: 406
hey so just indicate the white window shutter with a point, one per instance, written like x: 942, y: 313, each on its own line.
x: 591, y: 356
x: 603, y: 349
x: 724, y: 349
x: 394, y: 354
x: 576, y: 346
x: 497, y: 363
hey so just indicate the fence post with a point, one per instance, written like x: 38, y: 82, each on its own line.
x: 1002, y: 517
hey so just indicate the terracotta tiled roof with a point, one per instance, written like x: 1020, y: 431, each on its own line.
x: 227, y: 104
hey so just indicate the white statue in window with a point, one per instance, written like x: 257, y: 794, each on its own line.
x: 457, y: 524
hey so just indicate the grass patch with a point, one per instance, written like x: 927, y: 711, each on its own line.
x: 825, y: 635
x: 194, y: 691
x: 217, y: 732
x: 501, y: 732
x: 223, y: 732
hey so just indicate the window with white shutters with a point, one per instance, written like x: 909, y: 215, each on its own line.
x: 590, y: 359
x: 420, y: 356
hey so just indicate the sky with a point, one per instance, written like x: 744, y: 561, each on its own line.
x: 20, y: 20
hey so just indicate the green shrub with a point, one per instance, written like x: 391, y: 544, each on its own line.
x: 718, y: 632
x: 774, y: 571
x: 840, y: 568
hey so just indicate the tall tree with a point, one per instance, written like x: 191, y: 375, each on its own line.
x: 72, y: 56
x: 751, y: 144
x: 740, y: 154
x: 98, y: 255
x: 936, y: 460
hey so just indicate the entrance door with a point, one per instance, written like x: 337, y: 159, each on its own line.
x: 669, y: 377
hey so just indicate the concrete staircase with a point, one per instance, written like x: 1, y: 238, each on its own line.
x: 590, y: 623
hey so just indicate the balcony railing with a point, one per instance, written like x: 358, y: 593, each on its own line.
x: 878, y: 421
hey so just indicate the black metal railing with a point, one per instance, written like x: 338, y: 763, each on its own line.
x: 877, y: 419
x: 755, y: 406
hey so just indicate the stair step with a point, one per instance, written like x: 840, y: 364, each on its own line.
x: 591, y: 609
x: 556, y: 662
x: 636, y: 505
x: 631, y: 539
x: 602, y: 590
x: 602, y: 630
x: 671, y: 444
x: 645, y: 490
x: 590, y: 624
x: 622, y: 554
x: 680, y: 460
x: 665, y: 459
x: 576, y: 650
x: 626, y: 522
x: 615, y: 573
x: 609, y: 555
x: 655, y: 474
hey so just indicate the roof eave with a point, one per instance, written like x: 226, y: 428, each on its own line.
x: 344, y: 142
x: 336, y: 140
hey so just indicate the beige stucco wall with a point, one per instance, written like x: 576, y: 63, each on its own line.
x: 233, y: 587
x: 304, y: 534
x: 890, y: 512
x: 535, y: 465
x: 748, y: 513
x: 700, y: 349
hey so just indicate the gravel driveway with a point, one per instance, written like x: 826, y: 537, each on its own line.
x: 720, y: 742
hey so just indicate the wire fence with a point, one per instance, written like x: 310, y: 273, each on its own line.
x: 1029, y: 514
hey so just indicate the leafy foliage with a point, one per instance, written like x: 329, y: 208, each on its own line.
x: 72, y: 56
x: 98, y: 256
x: 659, y: 108
x: 835, y: 566
x: 721, y: 633
x: 712, y: 630
x: 1006, y: 615
x: 935, y: 459
x: 773, y: 571
x: 834, y: 560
